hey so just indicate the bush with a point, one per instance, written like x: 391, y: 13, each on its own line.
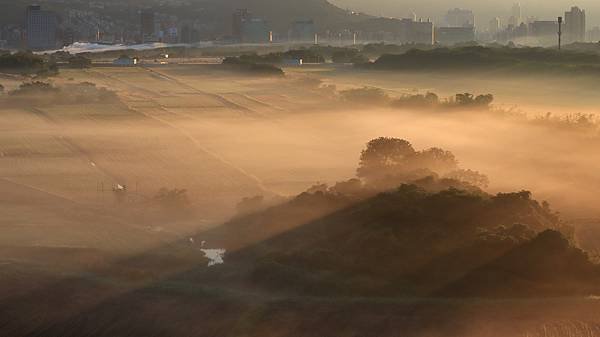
x: 26, y: 63
x: 431, y: 100
x: 363, y: 95
x: 35, y: 88
x: 21, y: 60
x: 172, y: 199
x: 349, y: 56
x: 418, y: 100
x: 306, y: 55
x: 79, y: 62
x: 39, y: 92
x: 468, y: 99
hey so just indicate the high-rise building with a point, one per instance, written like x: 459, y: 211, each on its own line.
x: 255, y: 30
x: 454, y: 35
x: 413, y: 31
x: 495, y: 26
x: 593, y: 35
x: 516, y: 16
x: 239, y: 16
x: 13, y: 35
x: 543, y: 28
x: 543, y: 33
x: 575, y: 25
x: 148, y: 23
x: 460, y: 18
x: 302, y: 31
x: 41, y: 28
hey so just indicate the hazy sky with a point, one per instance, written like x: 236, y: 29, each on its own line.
x: 484, y: 9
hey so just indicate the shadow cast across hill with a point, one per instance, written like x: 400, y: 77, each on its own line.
x: 386, y: 259
x: 436, y: 256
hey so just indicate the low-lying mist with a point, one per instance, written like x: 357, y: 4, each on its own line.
x: 205, y: 195
x: 551, y: 154
x: 552, y: 157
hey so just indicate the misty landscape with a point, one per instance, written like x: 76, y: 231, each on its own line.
x: 332, y: 184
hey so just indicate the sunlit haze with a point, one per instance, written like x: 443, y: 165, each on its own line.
x: 279, y: 168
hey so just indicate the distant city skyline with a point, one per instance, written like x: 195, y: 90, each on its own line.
x: 484, y: 10
x: 517, y: 23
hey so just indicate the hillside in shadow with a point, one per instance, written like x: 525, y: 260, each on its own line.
x: 429, y: 256
x: 431, y: 236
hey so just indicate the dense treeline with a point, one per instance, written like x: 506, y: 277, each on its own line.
x: 26, y: 63
x: 315, y: 54
x: 431, y: 102
x: 307, y: 55
x: 44, y: 93
x: 377, y: 96
x: 246, y: 65
x: 478, y: 57
x: 378, y: 49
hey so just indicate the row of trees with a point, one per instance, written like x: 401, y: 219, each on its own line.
x: 249, y: 67
x: 307, y: 55
x: 27, y: 63
x: 471, y: 57
x: 431, y: 100
x: 39, y: 92
x: 372, y: 95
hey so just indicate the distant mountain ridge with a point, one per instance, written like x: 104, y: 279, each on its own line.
x: 216, y: 14
x: 281, y: 13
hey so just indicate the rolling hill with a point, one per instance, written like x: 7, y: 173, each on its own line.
x: 408, y: 242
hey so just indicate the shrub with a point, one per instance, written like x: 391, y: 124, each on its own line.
x: 79, y: 62
x: 363, y: 95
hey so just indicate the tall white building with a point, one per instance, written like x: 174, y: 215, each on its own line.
x: 516, y: 16
x: 495, y: 26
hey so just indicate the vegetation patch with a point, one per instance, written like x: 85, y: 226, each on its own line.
x: 488, y: 58
x: 44, y: 93
x: 25, y: 63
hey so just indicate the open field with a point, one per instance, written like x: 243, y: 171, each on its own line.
x: 221, y: 136
x: 224, y: 136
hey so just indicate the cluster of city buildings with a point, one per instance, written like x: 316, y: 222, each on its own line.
x: 45, y: 30
x: 39, y: 31
x: 249, y: 29
x: 458, y: 26
x: 532, y: 30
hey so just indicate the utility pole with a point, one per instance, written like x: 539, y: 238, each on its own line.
x: 560, y: 21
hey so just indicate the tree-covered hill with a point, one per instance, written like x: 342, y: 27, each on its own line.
x: 216, y: 13
x: 427, y: 237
